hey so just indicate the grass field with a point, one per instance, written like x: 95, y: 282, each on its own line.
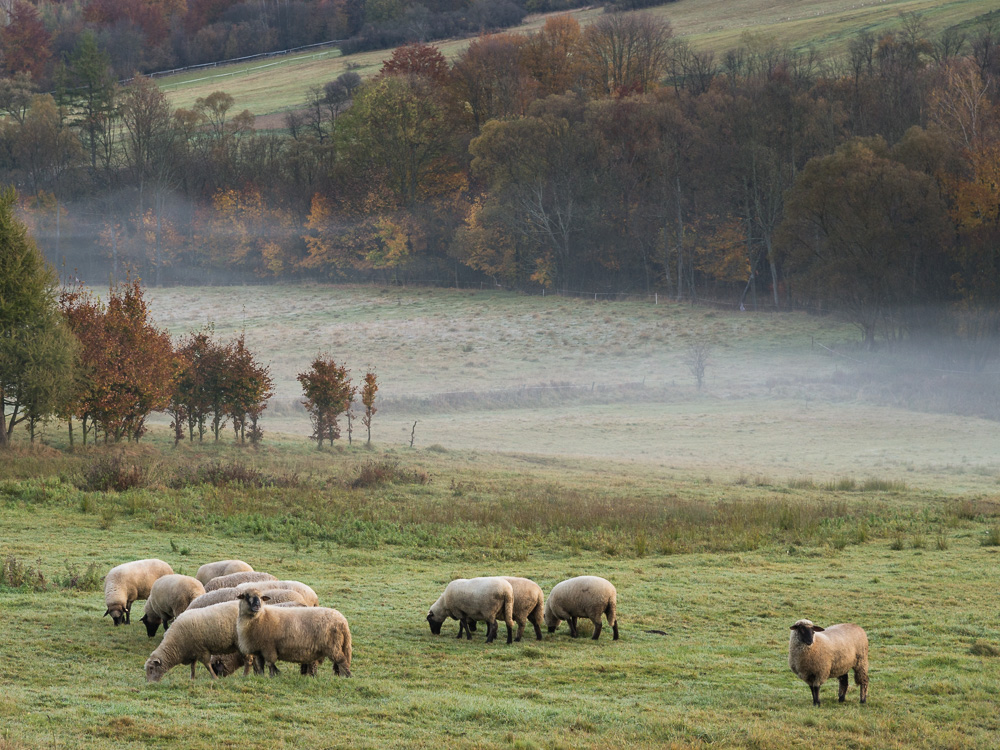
x: 273, y: 86
x: 722, y: 516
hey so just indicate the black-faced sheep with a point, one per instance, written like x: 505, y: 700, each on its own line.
x: 302, y: 635
x: 129, y: 582
x: 235, y: 579
x: 306, y: 592
x: 584, y: 596
x: 195, y: 636
x: 816, y: 654
x: 169, y: 596
x: 471, y: 599
x: 529, y: 605
x: 226, y: 664
x: 211, y: 570
x: 278, y: 596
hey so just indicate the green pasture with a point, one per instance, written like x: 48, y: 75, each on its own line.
x: 271, y: 86
x: 721, y: 568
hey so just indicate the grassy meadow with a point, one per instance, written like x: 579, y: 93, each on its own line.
x: 778, y: 491
x: 271, y: 87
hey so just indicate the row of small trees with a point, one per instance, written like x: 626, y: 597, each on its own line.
x: 107, y: 367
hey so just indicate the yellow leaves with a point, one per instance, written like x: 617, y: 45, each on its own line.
x: 722, y: 252
x: 398, y: 238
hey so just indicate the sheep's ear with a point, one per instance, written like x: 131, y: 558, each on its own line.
x: 241, y: 595
x: 157, y: 662
x: 106, y: 612
x: 265, y: 598
x: 818, y: 629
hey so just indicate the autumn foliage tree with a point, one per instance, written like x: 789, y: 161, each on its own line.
x: 368, y: 391
x: 328, y: 394
x: 248, y: 388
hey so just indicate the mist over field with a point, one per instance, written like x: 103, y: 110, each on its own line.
x: 784, y: 396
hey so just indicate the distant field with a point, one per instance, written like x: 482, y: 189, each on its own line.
x: 267, y: 87
x: 498, y: 371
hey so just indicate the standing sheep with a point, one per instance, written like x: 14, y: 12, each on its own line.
x: 302, y: 635
x: 529, y: 604
x: 816, y: 654
x: 211, y: 570
x: 584, y: 596
x: 195, y: 636
x: 235, y: 579
x: 471, y: 599
x: 129, y: 582
x: 169, y: 596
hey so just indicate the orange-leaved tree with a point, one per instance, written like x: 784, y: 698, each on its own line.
x: 328, y: 394
x: 368, y: 391
x: 249, y: 387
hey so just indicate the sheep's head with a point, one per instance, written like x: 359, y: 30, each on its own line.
x: 251, y: 601
x: 551, y: 621
x: 804, y: 630
x: 434, y: 623
x: 152, y: 623
x: 117, y: 613
x: 154, y: 669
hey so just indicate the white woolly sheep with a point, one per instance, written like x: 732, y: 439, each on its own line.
x: 306, y: 592
x: 302, y: 635
x: 583, y: 596
x: 211, y: 570
x: 471, y: 599
x: 195, y: 636
x: 529, y: 605
x: 226, y: 664
x: 235, y: 579
x: 278, y: 596
x: 129, y: 582
x: 816, y: 654
x: 169, y: 596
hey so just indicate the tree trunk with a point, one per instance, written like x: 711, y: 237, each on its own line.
x: 3, y: 422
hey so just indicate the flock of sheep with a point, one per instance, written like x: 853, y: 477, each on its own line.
x: 229, y: 616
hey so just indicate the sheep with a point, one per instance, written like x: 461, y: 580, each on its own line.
x: 529, y: 604
x: 815, y: 654
x: 306, y: 592
x: 303, y: 635
x: 195, y: 636
x: 211, y: 570
x: 471, y: 599
x: 583, y: 596
x: 226, y: 664
x: 169, y: 596
x: 128, y: 582
x: 278, y: 596
x: 235, y: 579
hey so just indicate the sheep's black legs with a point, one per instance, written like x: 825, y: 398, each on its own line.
x: 815, y: 690
x: 842, y: 693
x: 614, y: 629
x: 510, y: 632
x: 572, y: 627
x: 491, y: 631
x: 597, y: 629
x: 538, y: 631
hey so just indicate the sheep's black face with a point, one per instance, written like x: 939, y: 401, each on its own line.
x: 151, y: 623
x: 435, y: 625
x: 117, y: 615
x: 804, y: 633
x: 254, y: 604
x: 552, y: 628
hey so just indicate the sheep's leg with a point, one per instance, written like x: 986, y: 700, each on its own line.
x: 128, y: 613
x: 520, y: 631
x: 572, y: 627
x: 842, y: 693
x: 194, y: 664
x: 597, y: 628
x: 861, y: 680
x: 614, y: 629
x: 815, y: 692
x: 510, y: 631
x: 461, y: 628
x: 538, y: 631
x: 491, y: 630
x: 257, y: 659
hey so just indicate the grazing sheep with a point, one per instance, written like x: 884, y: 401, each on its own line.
x: 278, y: 596
x: 195, y: 636
x: 815, y: 654
x: 128, y: 582
x: 471, y: 599
x: 169, y: 596
x: 235, y: 579
x: 306, y: 592
x: 211, y: 570
x: 302, y: 635
x: 529, y: 604
x: 584, y: 596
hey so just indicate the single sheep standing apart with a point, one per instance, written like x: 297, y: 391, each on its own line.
x: 129, y: 582
x: 211, y: 570
x: 584, y: 596
x: 195, y: 636
x: 169, y: 596
x: 471, y: 599
x: 816, y: 654
x: 302, y: 635
x: 235, y: 579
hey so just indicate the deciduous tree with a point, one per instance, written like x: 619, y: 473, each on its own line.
x: 328, y: 394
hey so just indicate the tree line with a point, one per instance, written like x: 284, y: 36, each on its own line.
x: 612, y: 158
x: 104, y: 365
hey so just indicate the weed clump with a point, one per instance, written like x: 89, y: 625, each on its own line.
x: 15, y: 574
x: 114, y: 473
x: 88, y: 579
x: 221, y: 474
x: 992, y: 538
x: 386, y: 471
